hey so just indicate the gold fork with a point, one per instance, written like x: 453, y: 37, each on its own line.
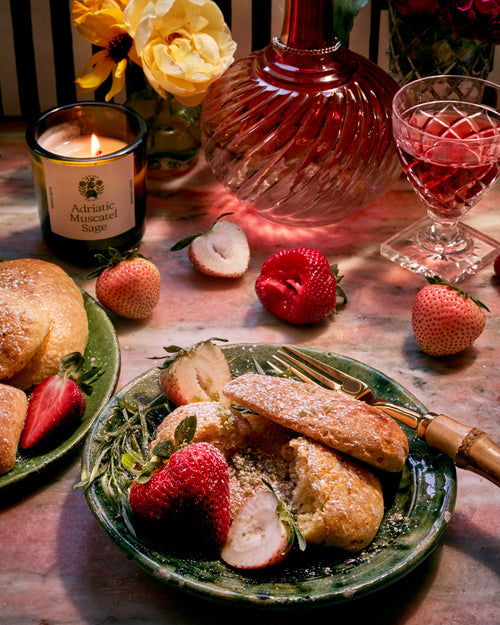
x: 470, y: 448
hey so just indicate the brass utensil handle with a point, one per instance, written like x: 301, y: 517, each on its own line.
x: 470, y: 448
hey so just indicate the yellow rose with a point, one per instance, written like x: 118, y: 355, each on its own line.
x: 184, y: 45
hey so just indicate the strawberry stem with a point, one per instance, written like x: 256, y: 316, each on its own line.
x: 111, y: 258
x: 287, y: 518
x: 71, y: 368
x: 189, y: 239
x: 339, y: 289
x: 438, y: 280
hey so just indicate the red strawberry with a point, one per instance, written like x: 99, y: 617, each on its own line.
x: 57, y: 404
x: 496, y: 266
x: 127, y: 285
x: 261, y: 534
x: 188, y: 496
x: 445, y: 319
x: 298, y: 285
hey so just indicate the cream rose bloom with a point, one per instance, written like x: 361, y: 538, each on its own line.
x: 184, y: 45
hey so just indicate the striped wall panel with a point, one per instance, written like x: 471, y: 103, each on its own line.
x: 41, y: 52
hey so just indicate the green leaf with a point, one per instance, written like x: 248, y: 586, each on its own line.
x: 344, y: 13
x: 163, y: 449
x: 184, y: 432
x: 339, y: 289
x: 185, y: 242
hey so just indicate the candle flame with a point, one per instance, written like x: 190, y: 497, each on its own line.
x: 95, y: 146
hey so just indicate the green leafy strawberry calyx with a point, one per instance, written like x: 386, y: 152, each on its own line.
x: 71, y: 367
x: 180, y: 245
x: 339, y: 289
x: 174, y: 351
x: 162, y: 451
x: 439, y: 281
x: 112, y: 258
x: 287, y: 518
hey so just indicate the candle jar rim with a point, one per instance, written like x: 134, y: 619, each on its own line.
x: 37, y: 127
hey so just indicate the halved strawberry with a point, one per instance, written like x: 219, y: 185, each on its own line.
x: 261, y: 534
x: 222, y: 251
x: 198, y: 373
x: 57, y: 404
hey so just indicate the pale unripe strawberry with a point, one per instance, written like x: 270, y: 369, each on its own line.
x: 221, y: 251
x: 127, y: 285
x: 445, y: 319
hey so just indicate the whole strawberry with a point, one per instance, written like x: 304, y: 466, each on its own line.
x: 188, y: 497
x: 496, y: 266
x: 57, y: 404
x: 445, y: 319
x: 127, y: 285
x: 298, y: 285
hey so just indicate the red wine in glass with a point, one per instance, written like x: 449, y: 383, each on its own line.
x: 447, y: 131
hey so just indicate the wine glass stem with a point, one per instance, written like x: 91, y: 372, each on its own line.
x: 443, y: 237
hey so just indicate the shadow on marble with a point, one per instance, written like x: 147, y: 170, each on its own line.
x: 468, y: 537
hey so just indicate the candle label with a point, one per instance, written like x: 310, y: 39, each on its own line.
x: 92, y: 201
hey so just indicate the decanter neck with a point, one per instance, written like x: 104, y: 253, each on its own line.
x: 308, y: 25
x: 307, y: 54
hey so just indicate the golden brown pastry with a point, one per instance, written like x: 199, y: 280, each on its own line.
x: 23, y: 327
x: 332, y: 418
x: 13, y: 407
x: 50, y: 288
x: 338, y: 502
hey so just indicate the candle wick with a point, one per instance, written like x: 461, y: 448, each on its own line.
x: 99, y: 152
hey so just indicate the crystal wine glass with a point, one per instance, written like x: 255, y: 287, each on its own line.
x: 447, y: 131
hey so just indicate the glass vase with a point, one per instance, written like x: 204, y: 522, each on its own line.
x: 301, y: 130
x: 174, y: 140
x: 425, y: 45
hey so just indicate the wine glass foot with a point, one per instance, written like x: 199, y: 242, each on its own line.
x: 452, y: 266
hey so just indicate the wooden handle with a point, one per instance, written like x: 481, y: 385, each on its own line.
x: 469, y: 447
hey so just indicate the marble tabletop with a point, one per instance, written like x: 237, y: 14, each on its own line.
x: 57, y: 566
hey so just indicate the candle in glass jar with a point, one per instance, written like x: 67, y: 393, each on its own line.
x: 64, y: 144
x: 89, y: 169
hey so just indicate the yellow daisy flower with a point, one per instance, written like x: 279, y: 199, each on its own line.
x: 100, y: 22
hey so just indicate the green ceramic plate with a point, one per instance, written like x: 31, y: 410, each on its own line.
x: 103, y: 351
x: 419, y: 503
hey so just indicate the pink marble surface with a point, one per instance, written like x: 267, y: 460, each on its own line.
x: 57, y: 565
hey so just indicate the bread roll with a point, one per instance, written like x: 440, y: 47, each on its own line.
x: 330, y: 417
x: 23, y: 327
x: 13, y: 407
x: 50, y: 288
x: 338, y: 502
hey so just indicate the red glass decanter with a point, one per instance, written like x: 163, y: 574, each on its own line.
x: 301, y: 130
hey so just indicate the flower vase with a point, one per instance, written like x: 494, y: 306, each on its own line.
x: 425, y: 45
x: 301, y: 130
x: 173, y: 142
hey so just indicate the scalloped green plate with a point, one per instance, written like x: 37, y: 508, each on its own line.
x: 419, y: 503
x: 102, y: 350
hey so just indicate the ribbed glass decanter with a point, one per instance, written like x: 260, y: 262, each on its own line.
x: 301, y: 130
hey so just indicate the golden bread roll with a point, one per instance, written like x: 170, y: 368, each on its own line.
x: 329, y: 417
x: 338, y: 502
x: 13, y: 407
x: 23, y: 327
x: 226, y: 429
x: 50, y: 288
